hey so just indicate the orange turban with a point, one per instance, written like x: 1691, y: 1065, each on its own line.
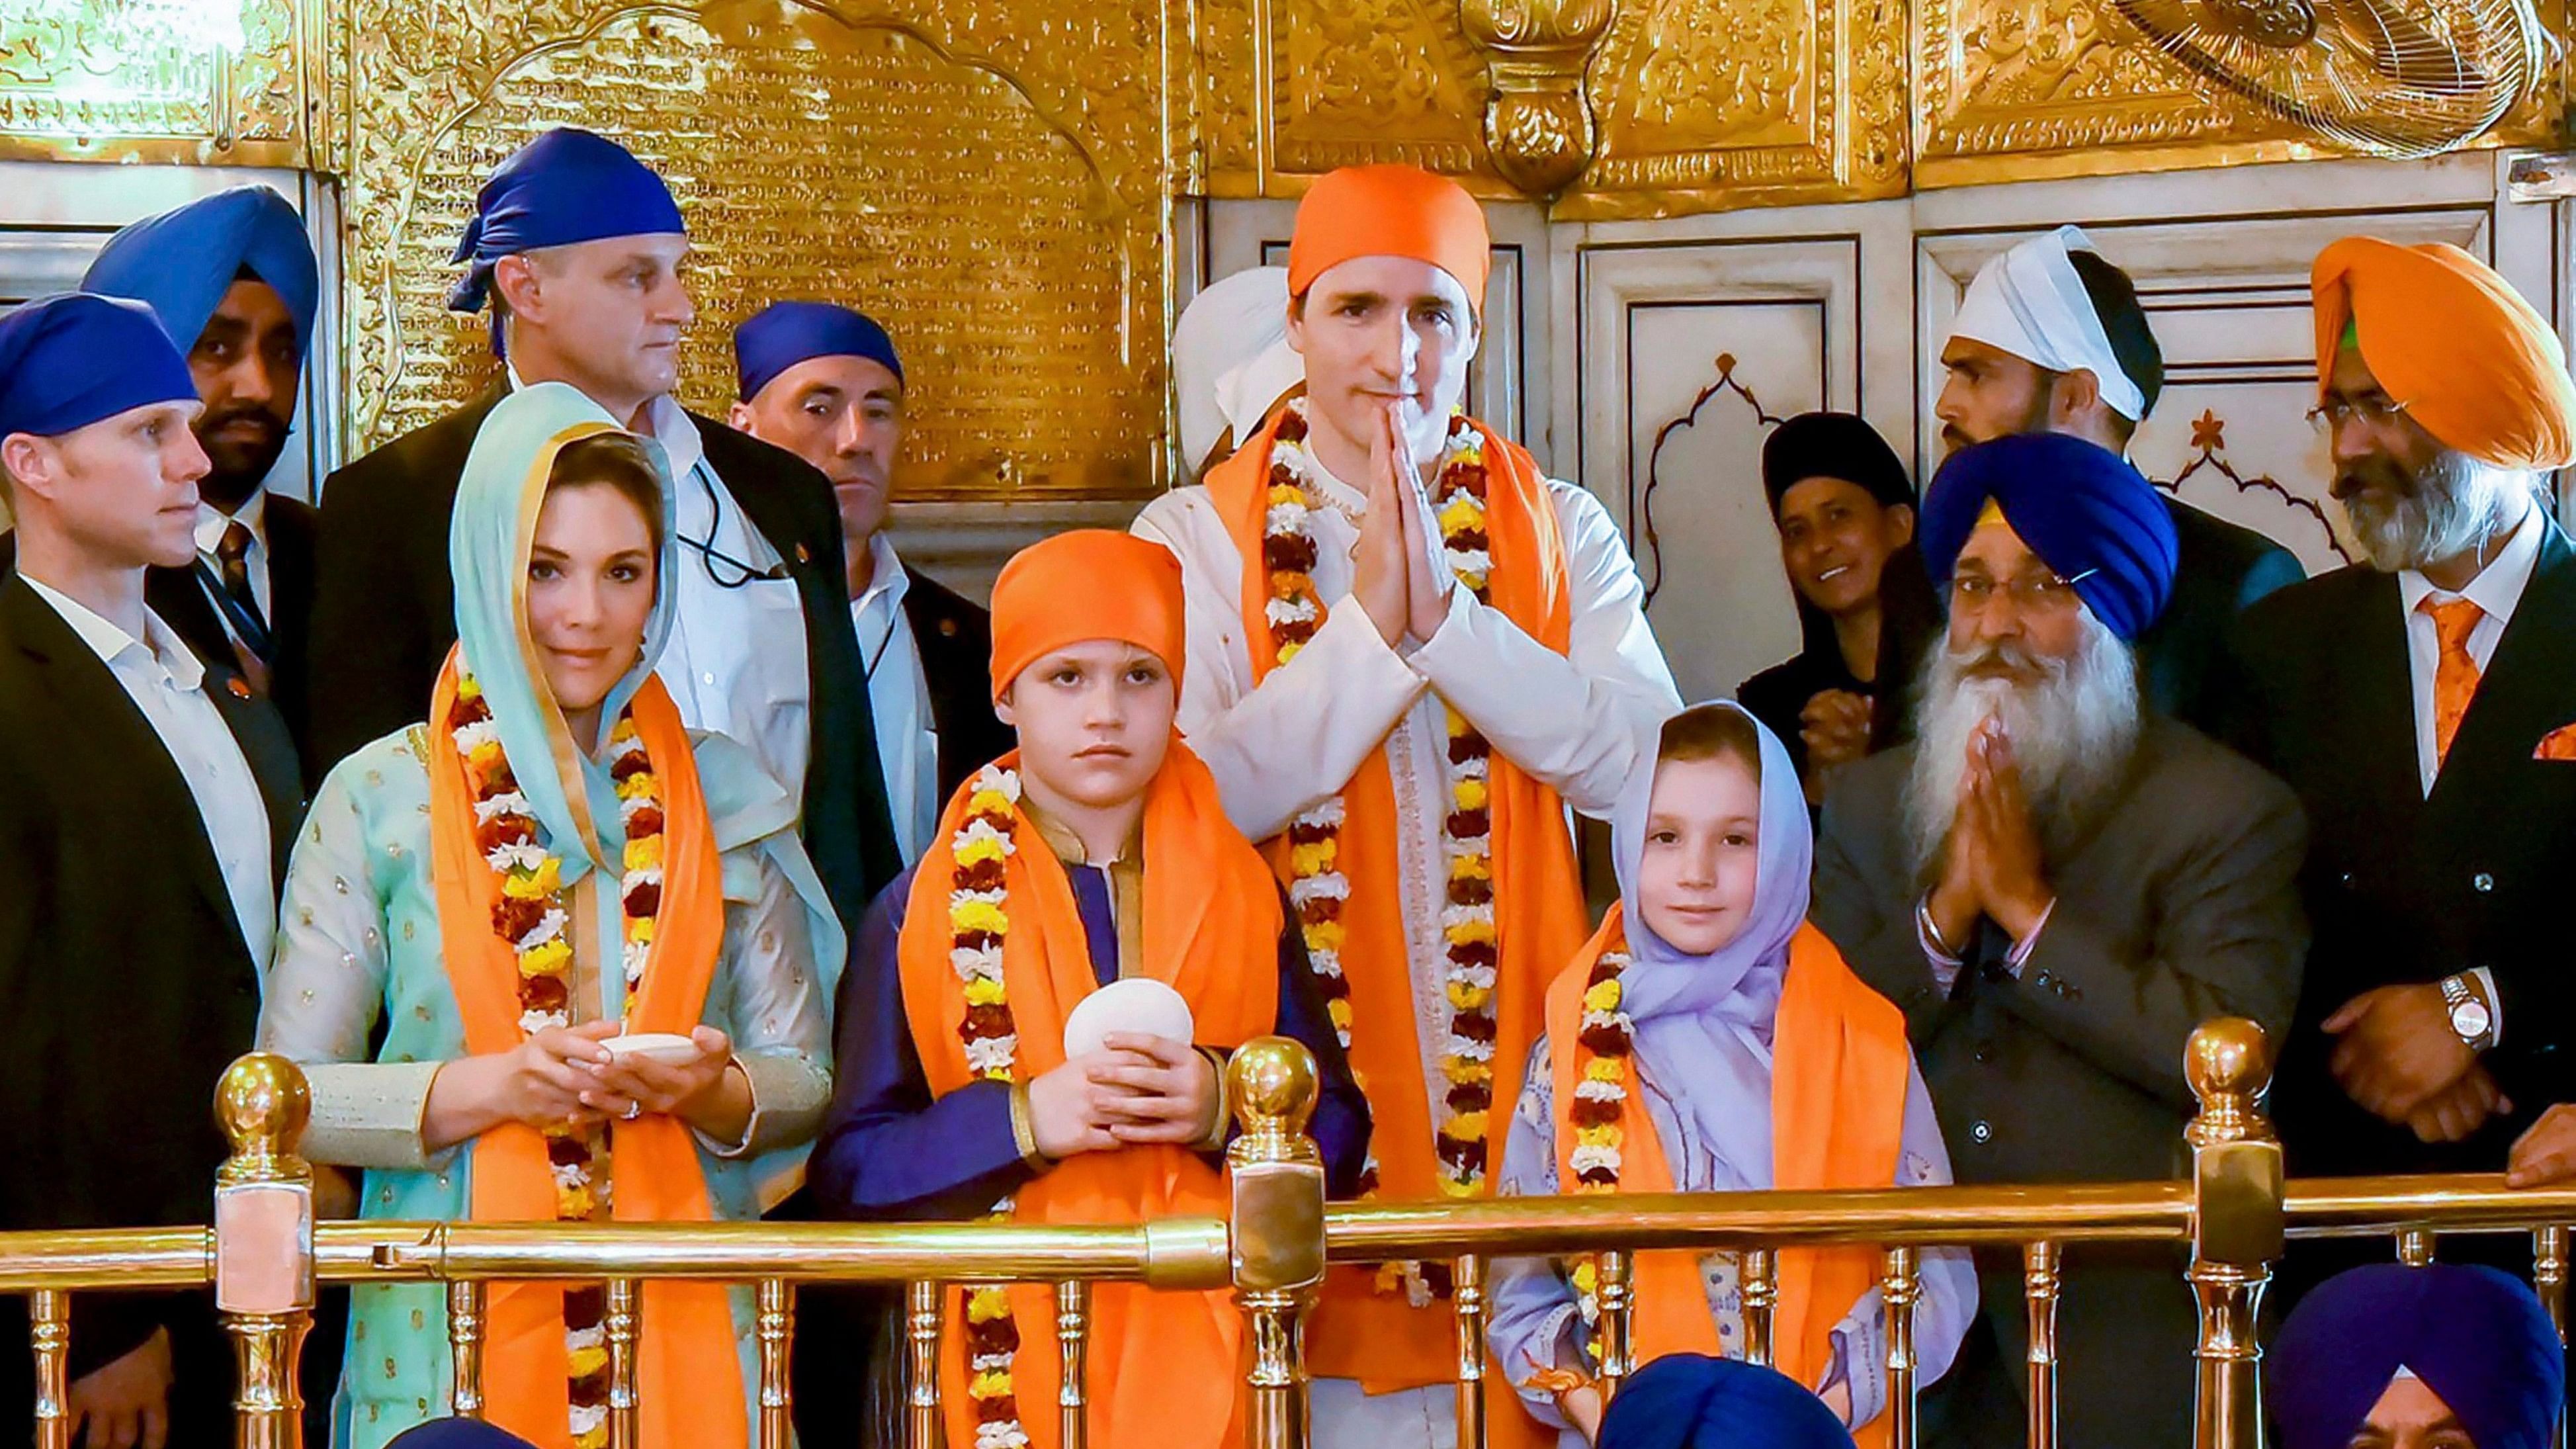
x: 1390, y: 211
x: 1091, y: 583
x: 2455, y: 343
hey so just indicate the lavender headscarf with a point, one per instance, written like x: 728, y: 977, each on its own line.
x: 1703, y: 1023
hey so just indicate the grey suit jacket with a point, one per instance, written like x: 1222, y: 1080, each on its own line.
x: 2180, y: 905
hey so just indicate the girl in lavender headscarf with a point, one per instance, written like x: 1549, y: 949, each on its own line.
x: 1708, y: 1040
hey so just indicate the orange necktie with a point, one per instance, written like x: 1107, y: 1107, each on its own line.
x: 2455, y: 676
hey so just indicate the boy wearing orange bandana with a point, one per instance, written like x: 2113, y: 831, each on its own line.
x: 1094, y: 857
x: 1410, y: 651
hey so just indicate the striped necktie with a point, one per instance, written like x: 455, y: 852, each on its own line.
x: 2455, y: 675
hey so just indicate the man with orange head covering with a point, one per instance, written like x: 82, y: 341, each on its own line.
x: 2421, y: 703
x: 1410, y: 651
x: 1036, y: 1019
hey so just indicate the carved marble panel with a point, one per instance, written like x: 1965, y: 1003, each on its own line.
x: 969, y: 177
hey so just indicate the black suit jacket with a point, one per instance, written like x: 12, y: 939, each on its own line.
x: 125, y: 985
x: 2221, y: 570
x: 179, y: 597
x: 955, y: 639
x: 384, y: 617
x: 2405, y: 887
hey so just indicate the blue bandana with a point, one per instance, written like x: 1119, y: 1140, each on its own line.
x: 184, y: 260
x: 457, y: 1434
x: 2477, y: 1338
x: 72, y: 359
x: 1690, y: 1401
x: 2093, y: 519
x: 566, y: 186
x: 787, y: 333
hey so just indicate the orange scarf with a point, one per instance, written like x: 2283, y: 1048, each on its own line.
x: 688, y: 1350
x: 1839, y: 1069
x: 1162, y: 1365
x: 1360, y: 1332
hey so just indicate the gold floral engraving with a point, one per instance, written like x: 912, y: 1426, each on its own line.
x: 83, y: 80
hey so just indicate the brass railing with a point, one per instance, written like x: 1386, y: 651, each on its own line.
x: 264, y: 1255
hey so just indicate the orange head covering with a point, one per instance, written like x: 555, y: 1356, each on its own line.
x: 1390, y: 211
x: 1091, y: 583
x: 2455, y: 343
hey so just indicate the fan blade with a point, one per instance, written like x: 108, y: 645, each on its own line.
x: 2402, y: 50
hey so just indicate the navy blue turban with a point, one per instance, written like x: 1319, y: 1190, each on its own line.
x: 2094, y: 520
x: 457, y: 1434
x: 784, y: 334
x: 2478, y: 1339
x: 1689, y: 1401
x: 72, y: 359
x: 183, y: 261
x: 566, y: 186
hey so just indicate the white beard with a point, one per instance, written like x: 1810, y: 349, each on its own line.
x: 2072, y: 735
x: 2459, y: 502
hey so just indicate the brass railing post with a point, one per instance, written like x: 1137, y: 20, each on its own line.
x: 49, y: 1325
x: 1277, y: 1248
x: 1468, y: 1297
x: 2237, y: 1226
x: 264, y: 1245
x: 2040, y: 1279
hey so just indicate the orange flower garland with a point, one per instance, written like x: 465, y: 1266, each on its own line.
x: 978, y: 923
x: 529, y: 914
x: 1319, y: 891
x: 1606, y: 1053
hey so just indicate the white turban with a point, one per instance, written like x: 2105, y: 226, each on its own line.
x: 1231, y: 362
x: 2030, y: 302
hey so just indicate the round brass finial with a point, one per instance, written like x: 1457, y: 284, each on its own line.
x: 2229, y: 1057
x: 1273, y: 1080
x: 262, y: 1104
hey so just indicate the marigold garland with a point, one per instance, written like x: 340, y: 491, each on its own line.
x: 1317, y: 888
x: 1605, y: 1056
x: 978, y: 924
x: 529, y: 914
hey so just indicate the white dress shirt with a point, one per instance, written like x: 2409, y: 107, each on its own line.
x: 2497, y: 591
x: 899, y: 699
x: 253, y: 515
x: 1578, y: 722
x: 166, y: 683
x: 735, y: 663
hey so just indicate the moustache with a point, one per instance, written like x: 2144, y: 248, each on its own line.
x: 2372, y: 474
x: 268, y: 422
x: 1993, y: 661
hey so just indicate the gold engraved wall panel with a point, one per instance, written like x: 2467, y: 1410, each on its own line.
x: 1707, y: 103
x: 94, y: 80
x: 1011, y: 236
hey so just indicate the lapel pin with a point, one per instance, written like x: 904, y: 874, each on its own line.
x: 802, y: 556
x: 948, y: 628
x: 239, y: 689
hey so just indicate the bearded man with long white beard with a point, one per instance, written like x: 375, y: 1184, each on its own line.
x: 2421, y: 703
x: 2057, y: 884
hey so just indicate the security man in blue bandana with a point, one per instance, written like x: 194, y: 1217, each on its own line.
x: 2445, y: 1356
x: 2057, y: 884
x: 147, y: 800
x: 578, y: 249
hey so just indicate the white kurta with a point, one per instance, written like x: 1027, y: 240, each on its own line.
x: 1578, y: 722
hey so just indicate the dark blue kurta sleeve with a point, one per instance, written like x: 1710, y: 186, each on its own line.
x: 888, y: 1148
x: 1341, y: 1124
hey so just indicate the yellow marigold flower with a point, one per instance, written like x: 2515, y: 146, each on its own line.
x: 1339, y: 1009
x: 1462, y: 512
x: 468, y: 688
x: 484, y: 757
x: 1474, y: 579
x: 1601, y: 996
x: 1291, y: 585
x: 987, y: 1305
x: 1469, y: 1125
x: 1290, y: 651
x: 1281, y: 493
x: 587, y: 1361
x: 1457, y: 722
x: 1596, y: 1136
x: 637, y: 786
x: 1468, y: 998
x: 1469, y: 932
x: 1587, y: 1278
x: 1472, y: 794
x: 1326, y: 935
x: 980, y: 849
x: 1466, y: 1069
x: 1452, y: 1187
x: 978, y: 916
x: 547, y: 960
x: 1314, y: 859
x: 1604, y: 1069
x: 984, y: 992
x: 993, y: 1385
x: 640, y: 930
x: 1475, y: 865
x: 574, y: 1203
x: 595, y: 1439
x: 644, y: 853
x: 988, y: 802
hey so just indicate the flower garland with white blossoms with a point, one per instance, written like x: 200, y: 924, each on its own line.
x: 978, y: 926
x: 529, y: 914
x: 1318, y: 890
x: 1605, y: 1053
